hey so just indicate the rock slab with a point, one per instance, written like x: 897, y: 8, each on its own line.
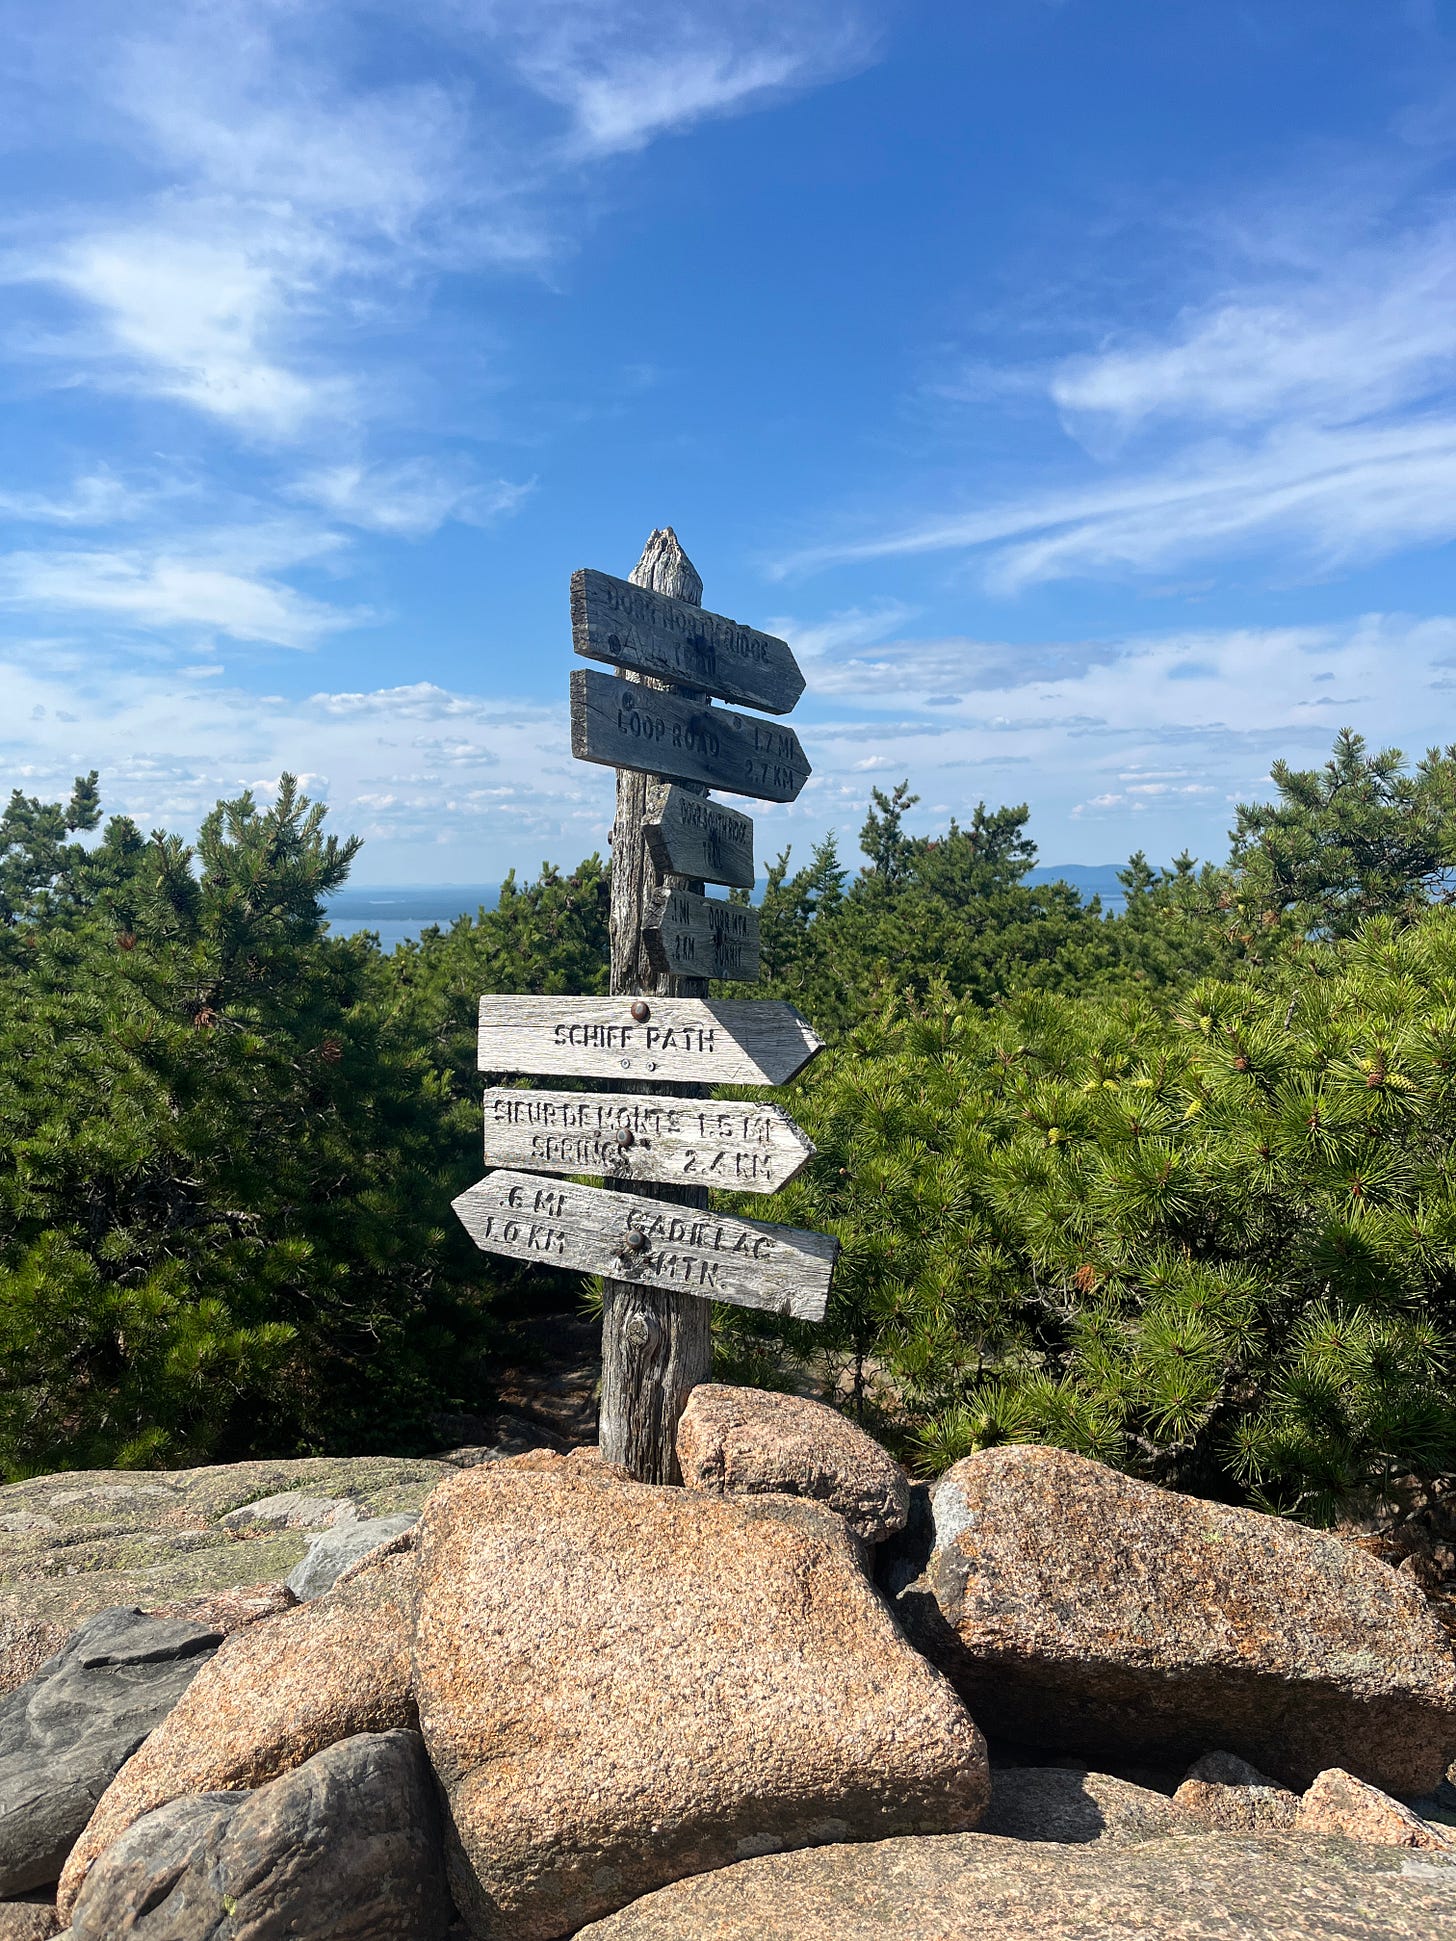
x: 619, y: 1685
x: 66, y: 1734
x: 1077, y: 1608
x: 27, y: 1921
x: 1075, y: 1807
x: 751, y: 1441
x: 1226, y: 1794
x: 346, y: 1848
x: 973, y: 1887
x: 275, y: 1694
x: 1337, y: 1802
x: 167, y: 1541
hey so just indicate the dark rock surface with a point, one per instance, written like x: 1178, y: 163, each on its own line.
x: 345, y: 1848
x: 1079, y: 1609
x: 66, y: 1734
x: 274, y: 1695
x: 975, y: 1887
x: 335, y: 1549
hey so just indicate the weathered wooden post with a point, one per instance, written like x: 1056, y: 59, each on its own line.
x: 656, y: 1346
x: 663, y: 1255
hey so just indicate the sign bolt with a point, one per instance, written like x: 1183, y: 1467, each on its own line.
x: 641, y: 1012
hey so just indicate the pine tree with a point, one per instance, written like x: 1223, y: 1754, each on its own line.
x: 225, y: 1224
x: 1213, y: 1248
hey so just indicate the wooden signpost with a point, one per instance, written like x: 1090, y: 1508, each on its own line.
x: 660, y: 1040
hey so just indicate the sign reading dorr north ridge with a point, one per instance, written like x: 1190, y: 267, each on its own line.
x: 633, y: 627
x: 651, y: 718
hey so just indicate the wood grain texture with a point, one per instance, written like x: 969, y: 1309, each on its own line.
x: 698, y: 1041
x: 626, y: 724
x: 689, y: 836
x: 647, y: 1243
x: 742, y: 1146
x: 674, y: 640
x: 656, y: 1346
x: 697, y: 936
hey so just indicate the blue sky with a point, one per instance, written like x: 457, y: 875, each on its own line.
x: 1073, y: 384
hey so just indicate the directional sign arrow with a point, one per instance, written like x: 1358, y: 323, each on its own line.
x: 652, y: 1243
x: 627, y: 725
x: 631, y: 626
x: 702, y: 936
x: 689, y: 835
x: 733, y: 1143
x: 705, y: 1041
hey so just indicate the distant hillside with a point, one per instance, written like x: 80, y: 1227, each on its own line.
x: 1092, y: 879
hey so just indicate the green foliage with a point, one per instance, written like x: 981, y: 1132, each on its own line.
x: 224, y: 1225
x: 1170, y: 1187
x: 951, y: 908
x: 1216, y: 1248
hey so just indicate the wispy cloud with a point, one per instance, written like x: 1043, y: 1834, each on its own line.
x: 1308, y: 404
x: 628, y: 74
x: 222, y: 583
x: 410, y: 498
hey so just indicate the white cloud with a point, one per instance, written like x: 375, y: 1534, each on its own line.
x: 196, y: 312
x: 627, y: 74
x: 411, y: 498
x: 95, y: 499
x: 497, y: 779
x: 218, y: 583
x: 1369, y: 329
x: 1308, y: 406
x: 1344, y: 494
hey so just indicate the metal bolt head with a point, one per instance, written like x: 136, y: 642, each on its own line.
x: 634, y: 1241
x: 641, y: 1012
x: 626, y: 1137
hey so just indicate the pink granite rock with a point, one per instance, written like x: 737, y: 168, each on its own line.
x: 753, y: 1441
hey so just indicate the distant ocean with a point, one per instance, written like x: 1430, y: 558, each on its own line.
x: 398, y: 911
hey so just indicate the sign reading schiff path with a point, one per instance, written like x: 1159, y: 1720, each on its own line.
x: 660, y: 1042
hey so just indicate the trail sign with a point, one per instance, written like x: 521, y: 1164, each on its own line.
x: 690, y: 836
x: 703, y: 1041
x: 632, y: 626
x: 702, y: 936
x: 663, y: 1259
x: 627, y: 725
x: 740, y: 1144
x: 651, y: 1243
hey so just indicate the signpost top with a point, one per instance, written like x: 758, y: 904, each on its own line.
x: 631, y: 626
